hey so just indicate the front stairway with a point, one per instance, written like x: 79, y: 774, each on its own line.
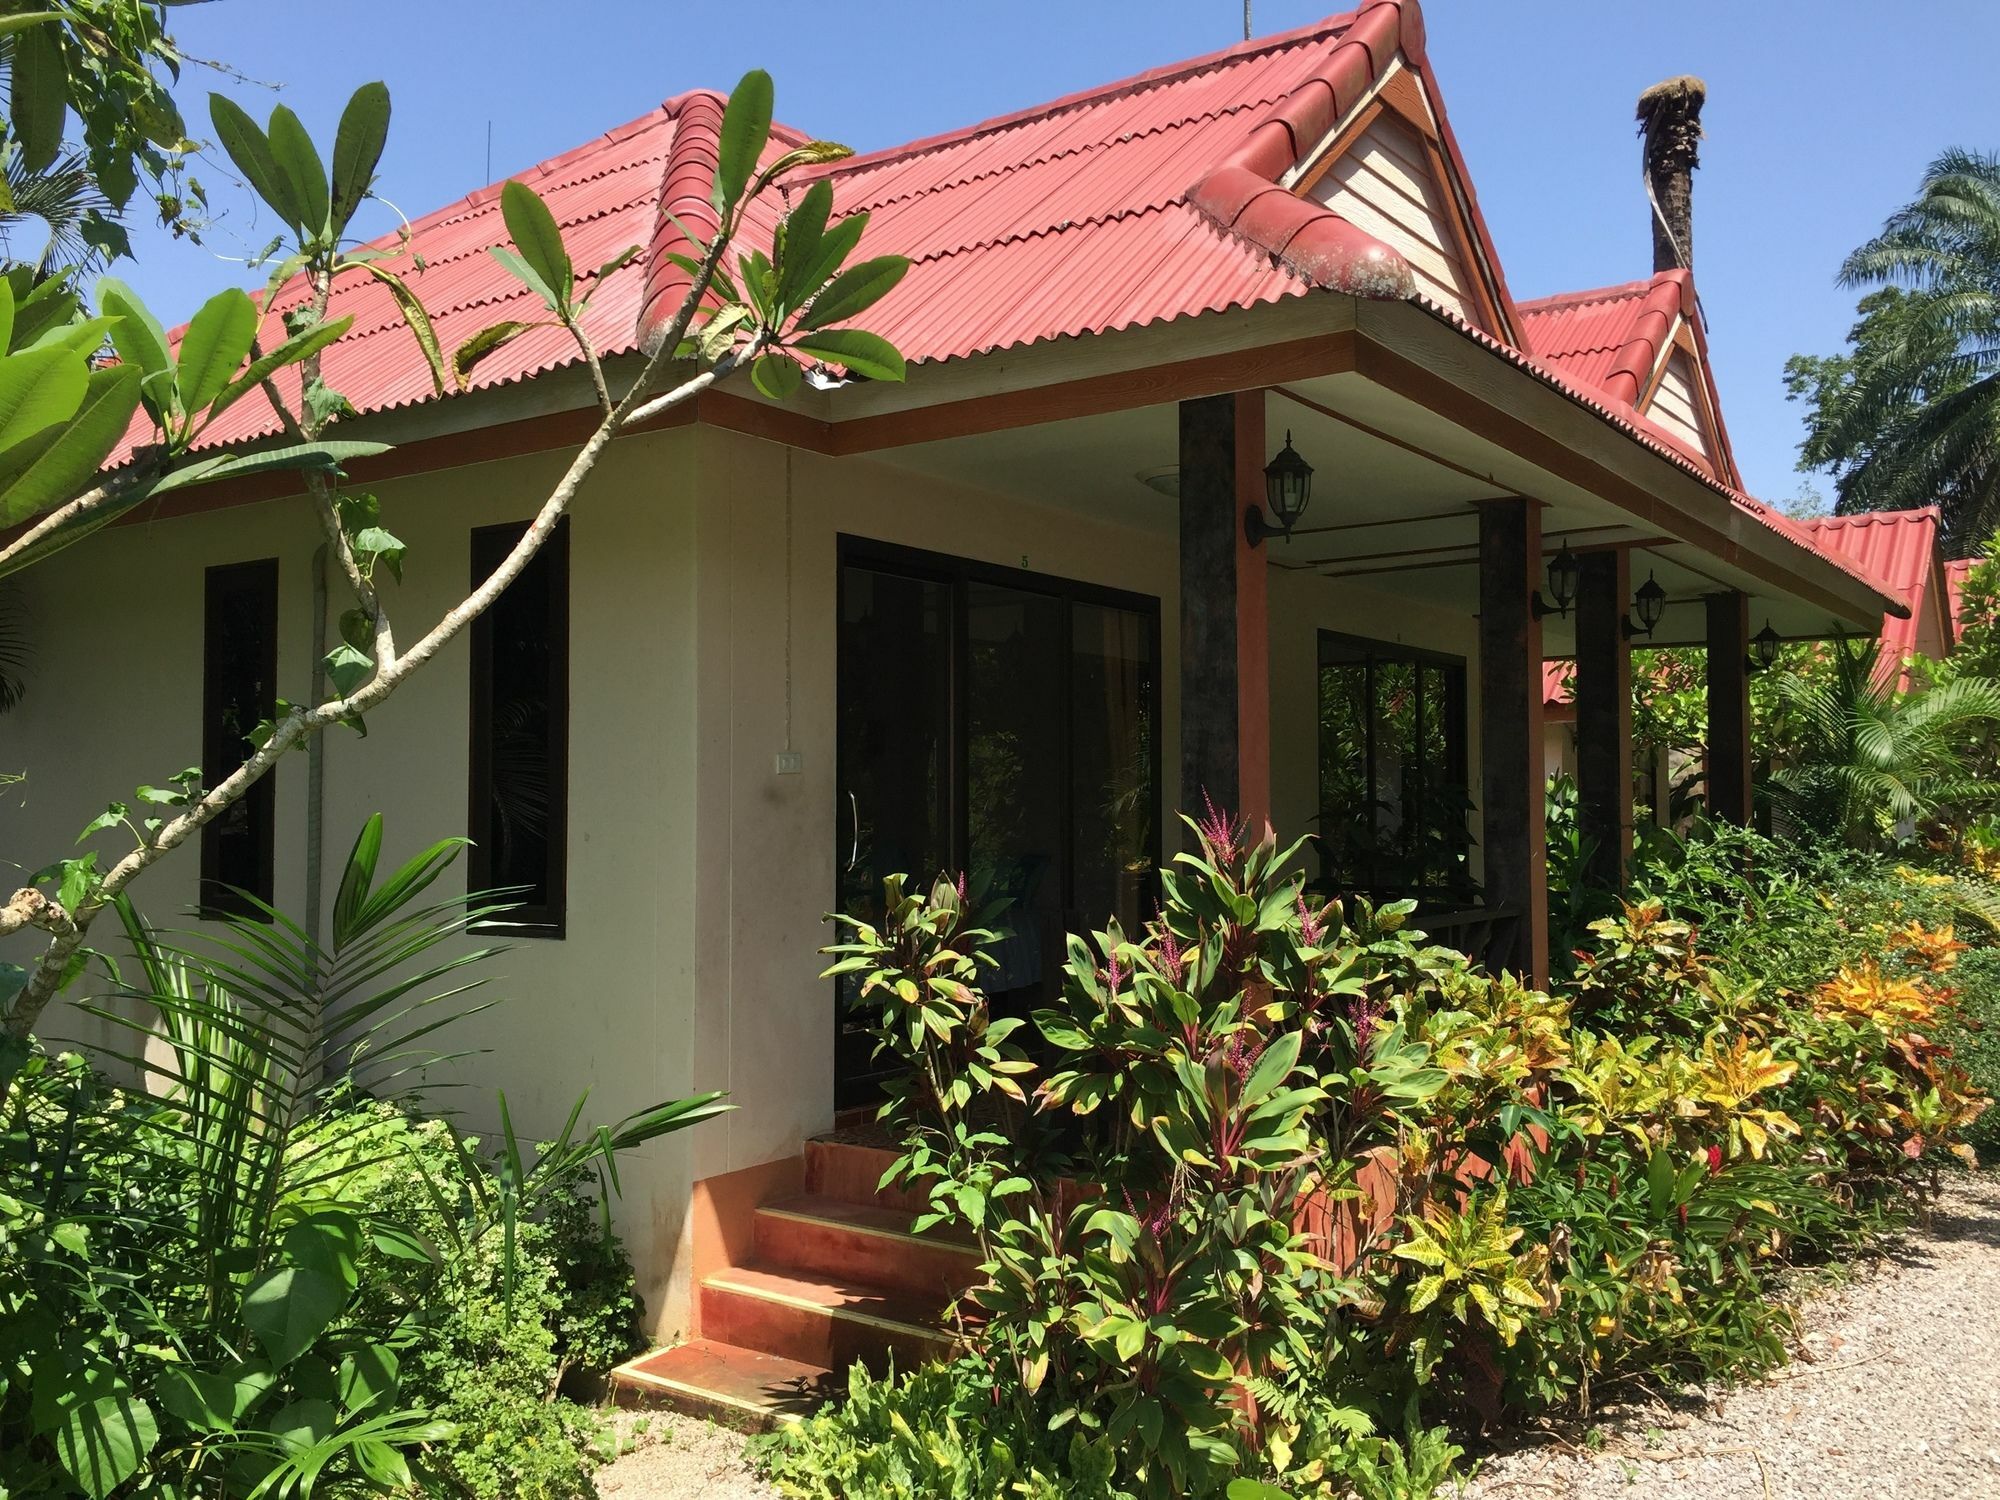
x: 833, y: 1275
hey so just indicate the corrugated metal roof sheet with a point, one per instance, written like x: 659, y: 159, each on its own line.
x: 1065, y: 220
x: 1899, y: 547
x: 1581, y: 333
x: 1954, y: 583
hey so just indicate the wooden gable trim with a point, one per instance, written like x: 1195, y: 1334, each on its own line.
x: 1401, y: 95
x: 1324, y: 162
x: 1700, y: 385
x: 1412, y: 103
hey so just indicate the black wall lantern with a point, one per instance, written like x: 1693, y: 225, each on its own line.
x: 1564, y: 571
x: 1648, y: 605
x: 1288, y: 486
x: 1764, y: 647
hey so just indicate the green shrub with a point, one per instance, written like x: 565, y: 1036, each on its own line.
x: 490, y: 1359
x: 931, y: 1435
x: 1974, y: 1038
x: 240, y: 1278
x: 1529, y: 1194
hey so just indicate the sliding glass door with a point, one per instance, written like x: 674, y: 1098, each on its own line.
x: 1001, y: 724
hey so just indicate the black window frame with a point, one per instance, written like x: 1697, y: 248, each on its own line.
x: 548, y: 918
x: 1457, y: 725
x: 224, y: 750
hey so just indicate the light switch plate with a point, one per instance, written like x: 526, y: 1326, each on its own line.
x: 791, y: 762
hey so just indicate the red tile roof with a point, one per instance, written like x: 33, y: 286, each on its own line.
x: 1954, y: 584
x: 1608, y: 338
x: 1900, y: 547
x: 1612, y: 338
x: 1142, y: 201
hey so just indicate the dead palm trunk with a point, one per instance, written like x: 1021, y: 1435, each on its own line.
x: 1670, y: 121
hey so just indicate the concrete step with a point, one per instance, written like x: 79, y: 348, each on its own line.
x: 864, y: 1243
x: 850, y: 1172
x: 821, y: 1320
x: 746, y: 1389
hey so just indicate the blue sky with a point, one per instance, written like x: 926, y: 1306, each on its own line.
x: 1821, y: 116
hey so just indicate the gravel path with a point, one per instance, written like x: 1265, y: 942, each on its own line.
x: 1896, y: 1396
x: 680, y: 1458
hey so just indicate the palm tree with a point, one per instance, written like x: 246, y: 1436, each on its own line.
x: 43, y: 217
x: 1912, y: 415
x: 1861, y: 760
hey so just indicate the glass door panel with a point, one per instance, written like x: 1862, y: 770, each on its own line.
x: 1015, y: 768
x: 1114, y: 807
x: 894, y: 808
x: 1003, y: 725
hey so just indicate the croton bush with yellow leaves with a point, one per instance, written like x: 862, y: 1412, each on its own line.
x: 1292, y: 1190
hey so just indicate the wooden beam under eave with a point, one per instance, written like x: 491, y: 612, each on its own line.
x: 1125, y: 390
x: 1512, y: 812
x: 1404, y: 377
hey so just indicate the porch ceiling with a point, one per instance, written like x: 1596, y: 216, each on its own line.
x: 1394, y: 507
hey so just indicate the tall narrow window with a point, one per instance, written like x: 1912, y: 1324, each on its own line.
x: 519, y: 815
x: 239, y: 692
x: 1392, y: 771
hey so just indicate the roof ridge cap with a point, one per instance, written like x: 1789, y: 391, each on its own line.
x: 685, y: 212
x: 1244, y: 197
x: 1098, y: 93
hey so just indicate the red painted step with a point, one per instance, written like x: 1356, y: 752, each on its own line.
x: 738, y: 1388
x: 819, y: 1320
x: 863, y: 1243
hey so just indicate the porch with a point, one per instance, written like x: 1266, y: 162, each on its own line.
x: 1022, y: 622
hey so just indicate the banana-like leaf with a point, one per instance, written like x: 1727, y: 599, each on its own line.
x: 483, y: 343
x: 325, y: 455
x: 357, y: 150
x: 298, y: 158
x: 140, y: 340
x: 298, y: 347
x: 38, y: 96
x: 213, y: 349
x: 865, y: 354
x: 538, y: 238
x: 37, y: 391
x: 418, y: 319
x: 855, y: 290
x: 250, y: 149
x: 55, y: 465
x: 746, y: 126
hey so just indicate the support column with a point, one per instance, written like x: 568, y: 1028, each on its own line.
x: 1729, y: 707
x: 1253, y: 623
x: 1604, y: 712
x: 1225, y: 646
x: 1510, y: 721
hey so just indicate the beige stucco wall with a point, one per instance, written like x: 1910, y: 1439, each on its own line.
x: 115, y: 700
x: 698, y: 876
